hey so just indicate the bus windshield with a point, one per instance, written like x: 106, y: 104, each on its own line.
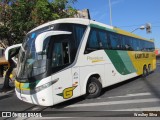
x: 31, y: 63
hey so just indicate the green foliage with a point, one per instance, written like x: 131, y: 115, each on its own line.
x: 17, y: 17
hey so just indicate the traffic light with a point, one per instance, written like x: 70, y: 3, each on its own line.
x: 148, y: 28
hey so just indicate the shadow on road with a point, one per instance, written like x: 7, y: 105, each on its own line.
x: 153, y: 86
x: 69, y: 102
x: 5, y: 96
x: 118, y: 85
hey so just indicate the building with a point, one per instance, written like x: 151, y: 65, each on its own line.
x: 83, y: 14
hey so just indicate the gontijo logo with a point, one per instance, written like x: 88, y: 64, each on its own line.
x: 141, y: 55
x: 67, y: 92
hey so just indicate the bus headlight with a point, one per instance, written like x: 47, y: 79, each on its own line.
x: 42, y: 87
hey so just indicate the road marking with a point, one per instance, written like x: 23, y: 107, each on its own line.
x: 115, y: 102
x: 6, y: 93
x: 38, y: 108
x: 35, y: 108
x: 132, y: 95
x: 140, y: 109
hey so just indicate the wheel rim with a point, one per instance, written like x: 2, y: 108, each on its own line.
x: 92, y: 88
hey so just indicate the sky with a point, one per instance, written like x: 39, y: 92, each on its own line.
x: 126, y: 14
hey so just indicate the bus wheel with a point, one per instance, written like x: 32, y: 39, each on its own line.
x: 149, y: 69
x: 94, y: 88
x: 145, y: 71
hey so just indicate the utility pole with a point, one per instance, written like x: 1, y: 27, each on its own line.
x: 110, y: 10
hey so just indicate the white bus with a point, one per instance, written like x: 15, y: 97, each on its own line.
x: 67, y: 58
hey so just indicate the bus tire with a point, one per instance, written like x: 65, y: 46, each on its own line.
x: 145, y: 71
x: 93, y: 88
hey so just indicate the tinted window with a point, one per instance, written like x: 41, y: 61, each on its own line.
x: 115, y: 42
x: 92, y: 42
x: 104, y: 42
x: 76, y: 29
x: 142, y: 45
x: 79, y: 31
x: 147, y: 46
x: 127, y: 42
x: 60, y: 54
x: 136, y: 44
x: 151, y: 46
x: 109, y: 40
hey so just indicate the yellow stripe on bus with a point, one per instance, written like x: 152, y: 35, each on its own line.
x: 20, y: 85
x: 139, y: 59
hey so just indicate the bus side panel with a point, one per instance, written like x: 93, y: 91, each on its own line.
x: 87, y: 71
x: 140, y: 59
x: 91, y: 64
x: 111, y: 75
x: 121, y: 67
x: 76, y: 81
x: 62, y: 89
x: 153, y: 59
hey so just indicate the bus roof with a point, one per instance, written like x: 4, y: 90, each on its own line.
x: 91, y: 23
x: 65, y: 20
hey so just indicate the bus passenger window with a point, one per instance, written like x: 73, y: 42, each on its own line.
x: 57, y: 55
x: 92, y: 42
x: 103, y: 39
x: 60, y: 55
x: 136, y: 44
x: 127, y: 42
x: 66, y: 58
x: 115, y: 43
x: 142, y: 45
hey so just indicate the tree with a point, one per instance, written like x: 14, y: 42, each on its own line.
x: 17, y: 17
x: 4, y: 29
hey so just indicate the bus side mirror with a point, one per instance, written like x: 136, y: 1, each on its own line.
x: 10, y: 48
x: 39, y: 42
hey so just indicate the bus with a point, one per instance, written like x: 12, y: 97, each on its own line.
x: 71, y: 57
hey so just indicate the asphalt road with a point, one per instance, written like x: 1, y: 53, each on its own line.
x: 124, y: 99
